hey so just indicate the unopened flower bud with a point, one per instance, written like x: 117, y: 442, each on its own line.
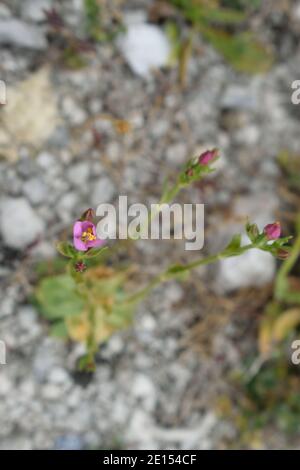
x: 208, y: 156
x: 89, y: 215
x: 80, y: 267
x: 252, y: 231
x: 273, y: 231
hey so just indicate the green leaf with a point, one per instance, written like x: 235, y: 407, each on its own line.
x: 252, y: 232
x: 66, y: 249
x: 86, y: 364
x: 92, y: 253
x: 121, y: 316
x: 241, y: 50
x: 223, y: 16
x: 201, y: 12
x: 234, y: 245
x: 93, y: 19
x: 57, y: 297
x: 176, y: 269
x: 59, y: 330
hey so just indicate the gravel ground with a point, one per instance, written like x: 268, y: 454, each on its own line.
x: 61, y: 153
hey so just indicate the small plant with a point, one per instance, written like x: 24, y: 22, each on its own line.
x: 269, y: 385
x: 91, y: 301
x: 96, y: 27
x: 225, y: 26
x: 72, y: 49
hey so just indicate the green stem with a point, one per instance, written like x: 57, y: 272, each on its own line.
x: 168, y: 196
x: 91, y: 343
x: 173, y: 271
x: 281, y: 286
x: 83, y: 290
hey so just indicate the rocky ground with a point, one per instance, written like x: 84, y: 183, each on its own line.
x: 63, y: 149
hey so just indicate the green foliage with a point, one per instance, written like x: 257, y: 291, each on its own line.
x: 66, y: 249
x: 252, y: 232
x: 272, y: 397
x: 93, y: 19
x: 283, y: 290
x: 193, y: 171
x: 200, y: 12
x: 241, y: 50
x: 226, y: 29
x: 234, y: 245
x: 94, y: 253
x: 290, y: 164
x: 50, y: 267
x: 58, y: 298
x: 59, y: 330
x: 95, y: 24
x: 67, y: 304
x: 73, y: 59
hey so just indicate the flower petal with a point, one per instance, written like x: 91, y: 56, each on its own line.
x: 87, y: 224
x: 95, y: 243
x: 79, y: 244
x: 77, y: 229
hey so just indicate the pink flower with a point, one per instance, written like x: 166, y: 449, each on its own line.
x: 84, y: 236
x: 208, y: 156
x: 272, y: 231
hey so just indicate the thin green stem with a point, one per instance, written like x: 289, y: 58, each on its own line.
x: 173, y: 271
x: 281, y: 284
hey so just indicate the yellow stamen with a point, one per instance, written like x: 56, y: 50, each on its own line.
x: 88, y: 236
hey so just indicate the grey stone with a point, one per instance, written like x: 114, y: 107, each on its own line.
x: 78, y: 174
x: 12, y: 183
x: 19, y: 224
x: 59, y: 376
x: 69, y: 442
x: 60, y: 137
x: 35, y: 190
x: 144, y: 390
x: 7, y: 303
x: 34, y: 9
x: 160, y: 128
x: 177, y: 153
x: 68, y: 202
x: 103, y: 191
x: 4, y: 11
x: 144, y: 47
x: 72, y: 111
x: 239, y: 97
x: 252, y: 269
x: 45, y: 249
x: 47, y: 161
x: 14, y: 32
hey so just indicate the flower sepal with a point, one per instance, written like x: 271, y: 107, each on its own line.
x: 94, y: 252
x: 252, y: 231
x: 234, y: 246
x: 67, y: 250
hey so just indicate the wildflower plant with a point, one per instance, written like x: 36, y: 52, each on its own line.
x: 91, y: 300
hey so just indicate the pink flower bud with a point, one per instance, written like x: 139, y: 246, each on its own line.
x: 89, y: 215
x: 272, y: 231
x: 208, y: 156
x: 80, y: 267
